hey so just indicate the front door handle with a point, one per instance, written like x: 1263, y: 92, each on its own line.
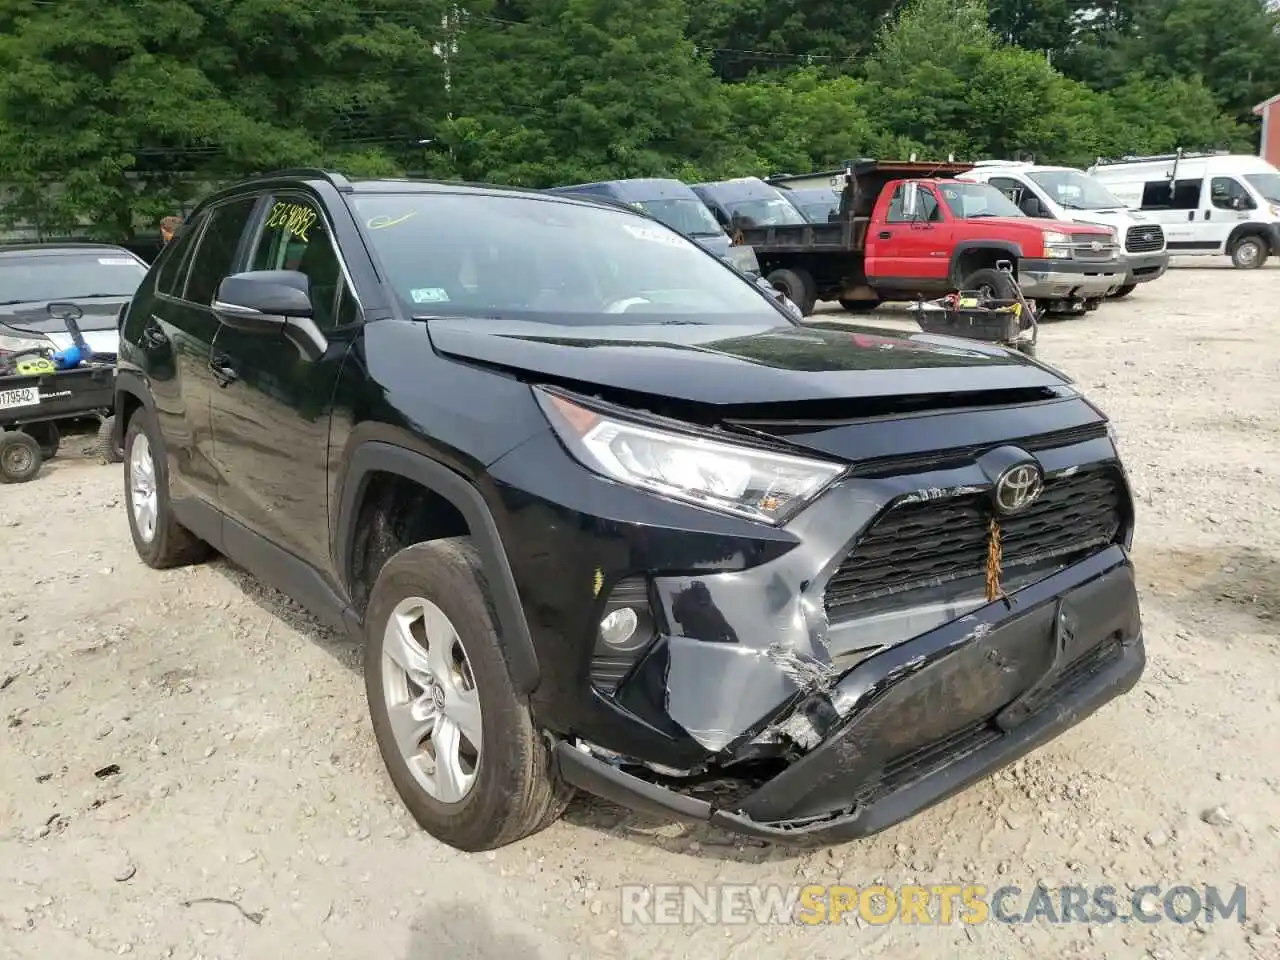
x: 1191, y: 214
x: 1208, y: 214
x: 885, y: 235
x: 223, y: 369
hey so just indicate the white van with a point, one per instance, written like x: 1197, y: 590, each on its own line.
x: 1064, y: 193
x: 1209, y: 204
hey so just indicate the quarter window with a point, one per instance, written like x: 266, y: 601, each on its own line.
x: 177, y: 255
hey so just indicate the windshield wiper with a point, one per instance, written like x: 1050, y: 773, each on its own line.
x: 92, y: 296
x: 975, y: 216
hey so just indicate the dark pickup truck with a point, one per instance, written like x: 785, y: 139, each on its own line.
x: 906, y: 229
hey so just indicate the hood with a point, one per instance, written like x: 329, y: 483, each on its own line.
x: 740, y: 365
x: 1038, y: 224
x: 90, y: 313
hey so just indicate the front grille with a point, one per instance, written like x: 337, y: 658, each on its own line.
x: 925, y: 544
x: 1083, y: 249
x: 1148, y: 239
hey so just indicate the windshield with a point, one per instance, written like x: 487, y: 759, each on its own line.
x: 1073, y: 190
x: 969, y: 201
x: 688, y: 216
x: 765, y: 212
x: 515, y: 257
x: 1267, y: 184
x: 39, y: 279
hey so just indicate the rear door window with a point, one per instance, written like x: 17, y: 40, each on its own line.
x: 216, y: 255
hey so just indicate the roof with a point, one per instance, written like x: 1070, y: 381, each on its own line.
x: 59, y: 249
x: 1266, y: 103
x: 371, y: 185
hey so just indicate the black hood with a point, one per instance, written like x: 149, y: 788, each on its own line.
x: 741, y: 365
x: 90, y: 313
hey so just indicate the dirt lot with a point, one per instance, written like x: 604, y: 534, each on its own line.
x: 247, y: 772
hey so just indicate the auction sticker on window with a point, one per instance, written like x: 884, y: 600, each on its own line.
x: 429, y: 295
x: 22, y: 397
x: 654, y: 234
x: 116, y: 261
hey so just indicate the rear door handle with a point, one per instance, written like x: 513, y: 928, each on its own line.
x: 223, y: 369
x: 885, y: 235
x: 1191, y: 214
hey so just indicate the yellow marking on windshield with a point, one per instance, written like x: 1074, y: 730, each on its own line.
x: 292, y: 217
x: 384, y: 221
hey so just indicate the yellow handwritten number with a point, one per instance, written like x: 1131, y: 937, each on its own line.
x: 292, y: 217
x: 384, y: 221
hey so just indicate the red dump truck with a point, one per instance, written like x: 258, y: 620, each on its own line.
x: 904, y: 229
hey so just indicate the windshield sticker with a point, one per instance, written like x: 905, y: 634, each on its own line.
x: 384, y: 221
x: 294, y: 217
x: 429, y: 295
x: 654, y: 234
x: 116, y: 261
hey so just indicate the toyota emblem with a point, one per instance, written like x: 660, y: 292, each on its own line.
x: 1018, y: 487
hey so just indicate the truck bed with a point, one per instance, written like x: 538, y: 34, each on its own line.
x: 848, y: 236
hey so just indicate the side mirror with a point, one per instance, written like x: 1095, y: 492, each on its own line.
x: 911, y: 200
x: 270, y: 301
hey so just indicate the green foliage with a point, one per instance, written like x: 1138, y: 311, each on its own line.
x: 116, y: 112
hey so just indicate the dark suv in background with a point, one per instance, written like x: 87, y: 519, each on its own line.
x: 607, y: 517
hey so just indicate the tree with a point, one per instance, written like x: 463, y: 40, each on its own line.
x: 113, y: 112
x: 555, y: 91
x: 763, y: 36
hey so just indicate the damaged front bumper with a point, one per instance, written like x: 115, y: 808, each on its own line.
x: 925, y: 718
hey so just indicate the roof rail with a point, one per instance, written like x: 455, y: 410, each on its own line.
x: 1153, y: 158
x: 339, y: 181
x: 1003, y: 163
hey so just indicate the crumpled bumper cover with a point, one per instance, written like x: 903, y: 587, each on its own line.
x: 927, y: 717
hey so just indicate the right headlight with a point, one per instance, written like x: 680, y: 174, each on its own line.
x: 746, y: 482
x: 1057, y: 245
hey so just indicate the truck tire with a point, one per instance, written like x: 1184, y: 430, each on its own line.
x: 20, y: 457
x: 47, y: 435
x: 106, y: 445
x: 799, y: 287
x: 991, y: 283
x: 1124, y: 291
x: 433, y: 657
x: 859, y: 306
x: 1249, y: 253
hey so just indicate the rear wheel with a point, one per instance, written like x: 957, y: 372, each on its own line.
x: 20, y: 457
x: 799, y: 287
x: 458, y: 742
x: 1249, y: 254
x: 1124, y: 291
x: 160, y: 540
x: 992, y: 284
x: 47, y: 436
x: 107, y: 448
x: 859, y: 306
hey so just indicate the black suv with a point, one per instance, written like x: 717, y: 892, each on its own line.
x: 607, y: 517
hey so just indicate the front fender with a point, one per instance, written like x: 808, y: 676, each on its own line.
x: 374, y: 456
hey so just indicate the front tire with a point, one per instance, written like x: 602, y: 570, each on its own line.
x: 161, y: 542
x: 799, y: 287
x: 458, y: 742
x: 1249, y: 254
x: 992, y: 284
x: 1124, y: 291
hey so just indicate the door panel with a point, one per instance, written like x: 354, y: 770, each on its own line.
x: 904, y: 250
x: 1177, y: 208
x: 176, y: 336
x: 271, y: 406
x: 1218, y: 212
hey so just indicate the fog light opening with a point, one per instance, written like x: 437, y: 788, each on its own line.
x: 619, y: 629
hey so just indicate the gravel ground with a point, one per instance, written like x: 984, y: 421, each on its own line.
x: 188, y: 769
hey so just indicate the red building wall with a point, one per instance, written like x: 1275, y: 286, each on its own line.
x: 1271, y: 133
